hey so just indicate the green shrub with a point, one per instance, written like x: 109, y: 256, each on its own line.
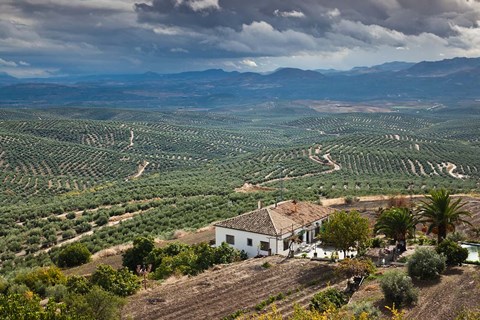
x: 68, y: 234
x: 57, y: 293
x: 101, y: 220
x: 26, y: 307
x: 83, y: 226
x: 137, y: 255
x: 328, y: 298
x: 73, y: 255
x: 189, y: 260
x: 364, y: 310
x: 96, y: 304
x: 70, y: 215
x: 121, y: 282
x: 234, y: 315
x: 266, y: 265
x: 39, y: 279
x: 78, y: 284
x: 270, y: 300
x: 453, y: 252
x: 3, y: 285
x: 356, y: 267
x: 17, y: 288
x: 398, y: 288
x: 456, y: 236
x: 425, y: 264
x: 377, y: 243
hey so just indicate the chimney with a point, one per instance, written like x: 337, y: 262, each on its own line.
x: 260, y: 204
x: 294, y: 205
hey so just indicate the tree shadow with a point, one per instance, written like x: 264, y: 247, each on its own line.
x: 426, y: 283
x: 454, y: 270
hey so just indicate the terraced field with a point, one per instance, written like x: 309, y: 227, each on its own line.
x: 63, y: 171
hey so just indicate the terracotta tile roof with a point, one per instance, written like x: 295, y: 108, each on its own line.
x: 277, y: 220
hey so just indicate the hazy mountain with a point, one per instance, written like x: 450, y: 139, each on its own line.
x: 6, y: 78
x: 294, y: 74
x: 385, y: 67
x: 448, y: 81
x: 443, y: 68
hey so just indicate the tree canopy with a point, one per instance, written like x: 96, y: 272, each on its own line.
x: 345, y: 230
x: 441, y: 213
x: 396, y: 223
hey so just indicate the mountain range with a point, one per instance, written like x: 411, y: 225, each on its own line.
x: 445, y: 81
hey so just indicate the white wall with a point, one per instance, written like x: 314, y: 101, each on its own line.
x: 241, y: 241
x: 276, y: 246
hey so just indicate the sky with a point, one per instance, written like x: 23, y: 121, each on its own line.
x: 43, y: 38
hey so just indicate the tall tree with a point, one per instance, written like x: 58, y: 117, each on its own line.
x: 345, y: 230
x: 396, y: 223
x: 441, y: 213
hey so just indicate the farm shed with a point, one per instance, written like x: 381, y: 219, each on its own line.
x: 281, y: 228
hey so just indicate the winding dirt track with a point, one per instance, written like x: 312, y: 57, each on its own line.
x: 131, y: 139
x: 327, y: 157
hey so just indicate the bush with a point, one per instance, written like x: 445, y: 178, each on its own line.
x: 425, y: 264
x: 82, y: 227
x: 96, y: 304
x: 121, y: 282
x: 21, y: 289
x: 101, y: 220
x: 356, y: 267
x: 456, y: 236
x: 19, y: 306
x: 78, y: 284
x: 453, y: 252
x: 327, y: 299
x: 57, y: 293
x: 183, y: 259
x: 3, y: 285
x: 377, y: 243
x: 70, y: 215
x: 68, y: 234
x: 364, y: 310
x: 73, y: 255
x: 398, y: 288
x: 142, y: 246
x: 39, y: 279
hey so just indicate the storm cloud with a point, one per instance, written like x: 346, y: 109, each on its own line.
x: 55, y: 37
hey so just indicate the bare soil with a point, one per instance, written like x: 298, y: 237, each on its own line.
x: 457, y: 289
x: 226, y: 289
x: 248, y: 187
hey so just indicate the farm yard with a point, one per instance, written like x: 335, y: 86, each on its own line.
x: 104, y: 176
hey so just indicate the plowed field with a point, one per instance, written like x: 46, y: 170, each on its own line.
x: 239, y: 286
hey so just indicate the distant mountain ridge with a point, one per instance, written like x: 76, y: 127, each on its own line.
x: 443, y: 67
x: 447, y: 80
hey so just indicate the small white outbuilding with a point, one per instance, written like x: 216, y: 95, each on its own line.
x: 277, y: 229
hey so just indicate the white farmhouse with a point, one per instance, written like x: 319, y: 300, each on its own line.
x: 277, y: 229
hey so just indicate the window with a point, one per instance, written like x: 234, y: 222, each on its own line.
x: 286, y: 243
x: 230, y: 239
x: 249, y: 242
x: 264, y: 246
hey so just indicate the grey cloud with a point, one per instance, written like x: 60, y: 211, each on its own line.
x: 91, y: 36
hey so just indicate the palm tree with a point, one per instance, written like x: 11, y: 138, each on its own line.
x: 441, y: 213
x: 396, y: 223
